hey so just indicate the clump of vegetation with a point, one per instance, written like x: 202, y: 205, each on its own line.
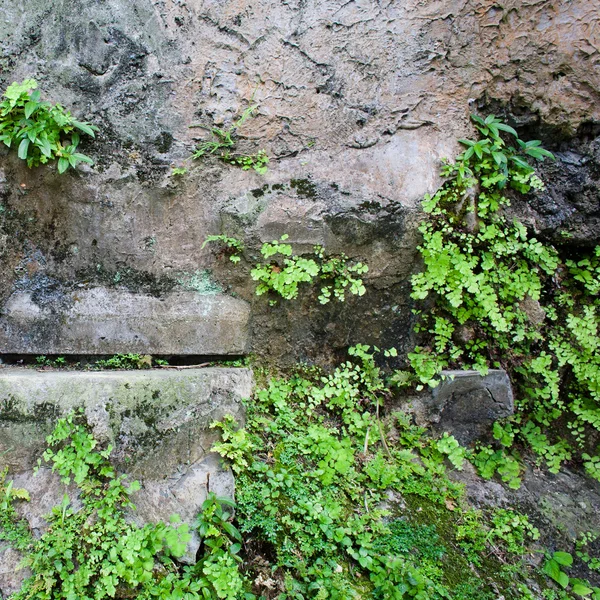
x: 178, y: 171
x: 336, y: 498
x: 232, y: 246
x: 502, y: 298
x: 96, y: 552
x: 285, y: 272
x: 41, y: 131
x: 125, y: 361
x: 223, y: 146
x: 13, y: 529
x: 316, y: 467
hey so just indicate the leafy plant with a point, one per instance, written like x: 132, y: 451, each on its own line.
x: 178, y: 171
x: 502, y: 298
x: 224, y: 143
x: 40, y: 130
x: 125, y: 361
x: 13, y: 529
x: 284, y: 278
x: 555, y: 567
x: 96, y: 552
x: 314, y: 466
x: 233, y: 246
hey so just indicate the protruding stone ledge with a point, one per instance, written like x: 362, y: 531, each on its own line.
x: 104, y: 321
x: 466, y: 404
x: 156, y: 419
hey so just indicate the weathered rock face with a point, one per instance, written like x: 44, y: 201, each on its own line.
x: 357, y: 102
x: 465, y: 404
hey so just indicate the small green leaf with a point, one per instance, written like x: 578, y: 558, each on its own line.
x: 63, y: 165
x: 563, y: 558
x: 581, y: 590
x: 30, y: 108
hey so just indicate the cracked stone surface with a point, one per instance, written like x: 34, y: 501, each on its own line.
x: 466, y: 404
x: 357, y: 102
x: 108, y: 321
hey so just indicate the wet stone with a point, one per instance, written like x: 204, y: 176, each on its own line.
x: 466, y: 404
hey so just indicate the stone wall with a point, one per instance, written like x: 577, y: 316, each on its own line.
x: 357, y: 102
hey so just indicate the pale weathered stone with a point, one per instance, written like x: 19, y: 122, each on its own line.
x: 156, y: 419
x: 108, y: 321
x: 12, y: 574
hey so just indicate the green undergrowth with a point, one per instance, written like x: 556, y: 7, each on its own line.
x: 13, y: 530
x: 95, y: 551
x: 129, y: 361
x: 223, y: 145
x: 336, y: 497
x: 496, y: 296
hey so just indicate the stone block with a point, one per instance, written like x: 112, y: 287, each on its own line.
x: 157, y: 421
x: 106, y: 321
x: 466, y: 404
x: 12, y: 574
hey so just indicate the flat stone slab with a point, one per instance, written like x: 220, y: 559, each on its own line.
x: 106, y: 321
x: 156, y: 419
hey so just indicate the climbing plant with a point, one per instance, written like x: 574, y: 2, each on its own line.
x: 499, y: 297
x: 40, y: 131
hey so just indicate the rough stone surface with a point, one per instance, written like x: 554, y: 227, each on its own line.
x: 105, y: 321
x: 356, y: 104
x: 562, y: 506
x: 11, y: 576
x: 466, y: 404
x: 157, y: 421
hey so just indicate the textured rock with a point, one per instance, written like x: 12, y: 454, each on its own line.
x: 466, y: 404
x: 561, y: 505
x: 11, y: 575
x: 104, y: 321
x: 357, y: 102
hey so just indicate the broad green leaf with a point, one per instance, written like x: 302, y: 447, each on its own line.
x: 507, y: 128
x: 23, y: 148
x: 63, y: 165
x: 85, y: 127
x: 581, y: 590
x: 30, y: 108
x: 563, y: 558
x: 478, y: 119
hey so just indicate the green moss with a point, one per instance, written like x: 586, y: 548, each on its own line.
x: 305, y: 188
x: 200, y: 282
